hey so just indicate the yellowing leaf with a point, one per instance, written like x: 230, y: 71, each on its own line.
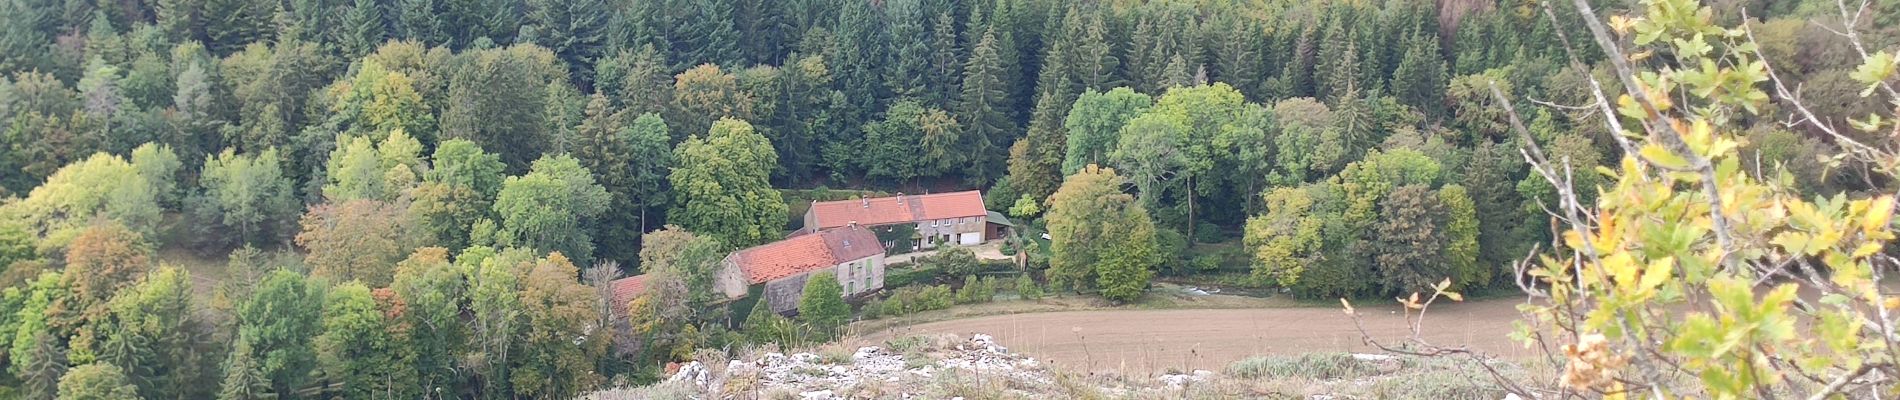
x: 1793, y: 242
x: 1658, y: 272
x: 1866, y: 249
x: 1655, y: 153
x: 1878, y: 214
x: 1348, y: 305
x: 1621, y: 24
x: 1454, y: 296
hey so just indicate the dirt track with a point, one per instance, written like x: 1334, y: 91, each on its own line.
x: 1143, y: 341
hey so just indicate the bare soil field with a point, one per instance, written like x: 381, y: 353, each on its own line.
x: 1153, y: 341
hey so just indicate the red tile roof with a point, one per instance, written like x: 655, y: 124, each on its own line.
x: 897, y: 209
x: 625, y: 289
x: 805, y: 253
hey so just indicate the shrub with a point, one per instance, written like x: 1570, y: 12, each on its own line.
x: 953, y: 262
x: 1322, y: 366
x: 1206, y: 262
x: 872, y: 309
x: 1027, y: 287
x: 936, y: 298
x: 1206, y: 232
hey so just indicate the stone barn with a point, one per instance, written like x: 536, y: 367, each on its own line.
x: 851, y: 252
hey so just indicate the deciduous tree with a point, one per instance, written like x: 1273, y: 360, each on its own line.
x: 552, y: 207
x: 821, y: 306
x: 355, y: 240
x: 1099, y: 234
x: 721, y: 186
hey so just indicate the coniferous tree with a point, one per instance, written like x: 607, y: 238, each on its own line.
x: 1419, y: 80
x: 1035, y: 162
x: 603, y: 146
x: 1338, y: 67
x: 983, y: 108
x: 1096, y: 66
x: 244, y: 375
x: 708, y: 34
x: 636, y: 80
x: 1237, y: 55
x: 363, y: 28
x: 863, y: 59
x: 909, y: 73
x: 946, y: 68
x: 1409, y: 238
x: 1297, y: 73
x: 420, y: 20
x: 573, y: 29
x: 231, y: 24
x: 1144, y: 56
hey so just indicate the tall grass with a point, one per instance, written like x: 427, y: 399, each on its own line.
x: 1321, y: 366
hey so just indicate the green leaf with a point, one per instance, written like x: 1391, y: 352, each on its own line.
x: 1693, y: 47
x: 1877, y: 68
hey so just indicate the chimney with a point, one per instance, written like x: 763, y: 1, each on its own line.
x: 900, y: 197
x: 866, y: 201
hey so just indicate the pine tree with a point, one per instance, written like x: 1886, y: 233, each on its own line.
x: 420, y: 20
x: 364, y: 28
x: 1144, y: 56
x: 602, y: 146
x: 1096, y: 63
x: 1036, y: 168
x: 1297, y: 73
x: 1237, y: 57
x: 40, y: 378
x: 909, y: 75
x: 231, y: 24
x: 1178, y: 73
x: 945, y: 69
x: 1490, y: 176
x: 1409, y: 238
x: 1420, y: 78
x: 983, y: 108
x: 1057, y: 75
x: 708, y: 34
x: 244, y: 376
x: 573, y: 29
x: 863, y: 57
x: 1339, y: 63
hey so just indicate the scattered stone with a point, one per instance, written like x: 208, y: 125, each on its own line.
x: 1371, y: 357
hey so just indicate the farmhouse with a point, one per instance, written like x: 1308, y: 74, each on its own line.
x: 851, y: 253
x: 956, y: 218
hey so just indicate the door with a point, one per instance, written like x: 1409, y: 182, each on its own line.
x: 971, y: 238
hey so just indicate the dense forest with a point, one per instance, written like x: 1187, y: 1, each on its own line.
x: 427, y: 198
